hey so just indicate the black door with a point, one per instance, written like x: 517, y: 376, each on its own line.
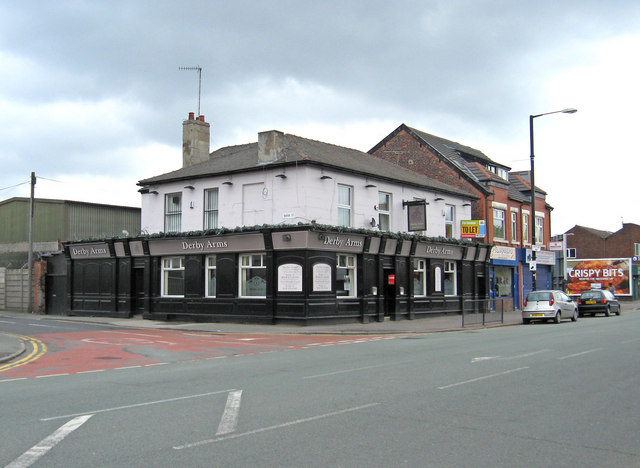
x: 137, y: 290
x: 389, y: 292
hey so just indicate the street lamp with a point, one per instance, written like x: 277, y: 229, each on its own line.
x: 533, y: 188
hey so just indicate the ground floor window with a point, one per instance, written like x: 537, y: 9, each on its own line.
x: 346, y: 276
x: 172, y: 278
x: 450, y: 286
x: 503, y: 286
x: 253, y: 275
x: 210, y: 280
x: 419, y: 277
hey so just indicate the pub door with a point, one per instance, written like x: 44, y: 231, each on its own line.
x: 389, y: 292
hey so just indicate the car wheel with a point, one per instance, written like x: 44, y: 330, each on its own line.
x: 619, y: 310
x: 526, y: 321
x: 608, y: 311
x: 557, y: 318
x: 575, y: 316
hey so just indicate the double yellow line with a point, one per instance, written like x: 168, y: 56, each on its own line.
x: 38, y: 349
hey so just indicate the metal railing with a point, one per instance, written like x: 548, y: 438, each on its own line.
x: 482, y: 311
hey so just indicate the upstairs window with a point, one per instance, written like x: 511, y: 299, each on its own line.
x: 498, y: 224
x: 384, y: 211
x: 344, y: 205
x: 449, y: 220
x: 525, y: 227
x: 539, y: 230
x: 211, y: 208
x: 514, y: 226
x: 172, y: 212
x: 571, y: 252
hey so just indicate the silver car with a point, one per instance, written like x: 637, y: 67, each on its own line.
x: 549, y: 305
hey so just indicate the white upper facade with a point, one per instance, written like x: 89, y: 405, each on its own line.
x: 286, y: 179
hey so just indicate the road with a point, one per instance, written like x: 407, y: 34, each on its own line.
x: 526, y: 396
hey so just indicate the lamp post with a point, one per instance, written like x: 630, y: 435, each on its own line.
x: 533, y: 189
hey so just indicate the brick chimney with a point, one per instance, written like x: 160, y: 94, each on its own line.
x: 195, y: 140
x: 270, y: 146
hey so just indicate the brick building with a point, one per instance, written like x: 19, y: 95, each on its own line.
x: 503, y: 204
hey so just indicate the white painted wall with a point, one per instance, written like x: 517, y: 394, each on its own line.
x: 260, y: 197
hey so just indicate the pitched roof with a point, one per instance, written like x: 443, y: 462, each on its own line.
x: 296, y: 151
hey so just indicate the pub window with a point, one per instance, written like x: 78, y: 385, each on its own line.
x: 210, y: 280
x: 384, y: 211
x: 172, y: 212
x: 253, y: 275
x: 450, y: 286
x: 211, y: 208
x: 449, y: 220
x: 525, y: 227
x: 344, y: 205
x: 539, y: 230
x: 346, y: 276
x: 419, y: 277
x: 498, y: 224
x: 514, y: 226
x: 172, y: 277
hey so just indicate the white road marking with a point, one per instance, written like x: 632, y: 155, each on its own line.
x: 270, y: 428
x: 508, y: 358
x: 579, y: 354
x: 484, y: 377
x: 136, y: 405
x: 34, y: 453
x: 43, y: 326
x: 229, y: 419
x: 5, y: 321
x: 344, y: 371
x: 484, y: 358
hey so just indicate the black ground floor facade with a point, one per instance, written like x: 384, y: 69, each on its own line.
x: 301, y: 275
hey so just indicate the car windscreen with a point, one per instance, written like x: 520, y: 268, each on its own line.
x: 539, y: 296
x: 591, y: 295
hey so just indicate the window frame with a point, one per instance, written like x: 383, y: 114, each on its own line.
x: 172, y: 217
x: 450, y: 270
x: 497, y: 211
x: 514, y: 226
x: 539, y: 230
x: 352, y: 274
x: 449, y: 224
x: 345, y: 208
x: 382, y: 213
x: 208, y: 269
x: 209, y: 210
x: 525, y: 228
x: 244, y: 269
x: 165, y: 273
x: 419, y: 266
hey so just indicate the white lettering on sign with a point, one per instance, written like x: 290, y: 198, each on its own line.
x: 338, y: 242
x: 197, y: 245
x: 596, y: 272
x: 95, y: 251
x: 432, y: 250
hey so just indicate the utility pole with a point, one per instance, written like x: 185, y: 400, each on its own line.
x: 30, y: 255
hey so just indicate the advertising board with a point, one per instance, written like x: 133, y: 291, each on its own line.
x: 472, y: 228
x: 601, y: 273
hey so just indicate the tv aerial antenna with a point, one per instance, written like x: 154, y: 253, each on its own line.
x: 197, y: 68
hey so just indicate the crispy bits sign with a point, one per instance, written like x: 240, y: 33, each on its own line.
x: 583, y: 275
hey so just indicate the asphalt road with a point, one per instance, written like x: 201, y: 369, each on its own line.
x: 527, y: 396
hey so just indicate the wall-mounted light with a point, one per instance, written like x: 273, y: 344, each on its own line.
x: 281, y: 176
x: 192, y: 205
x: 439, y: 198
x: 373, y: 222
x: 466, y: 204
x: 227, y: 182
x: 369, y: 186
x: 325, y: 177
x: 155, y: 192
x: 190, y: 187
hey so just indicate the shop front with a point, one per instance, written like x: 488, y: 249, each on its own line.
x: 504, y: 278
x: 303, y: 275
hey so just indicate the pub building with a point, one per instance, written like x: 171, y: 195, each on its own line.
x: 283, y: 229
x: 303, y: 274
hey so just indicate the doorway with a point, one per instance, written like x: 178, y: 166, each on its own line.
x: 389, y: 292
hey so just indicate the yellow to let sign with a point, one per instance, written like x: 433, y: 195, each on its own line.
x: 472, y: 228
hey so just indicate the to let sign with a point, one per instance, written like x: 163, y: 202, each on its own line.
x: 472, y: 228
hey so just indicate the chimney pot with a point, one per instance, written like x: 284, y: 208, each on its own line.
x: 191, y: 115
x: 201, y: 118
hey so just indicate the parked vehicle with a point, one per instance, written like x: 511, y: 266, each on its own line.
x: 549, y: 305
x: 598, y: 301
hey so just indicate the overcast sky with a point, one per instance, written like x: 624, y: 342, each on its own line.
x: 92, y: 98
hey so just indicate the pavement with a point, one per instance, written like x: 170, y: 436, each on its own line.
x: 12, y: 346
